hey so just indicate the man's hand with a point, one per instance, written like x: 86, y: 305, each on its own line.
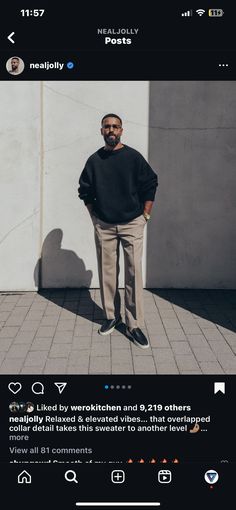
x: 148, y: 206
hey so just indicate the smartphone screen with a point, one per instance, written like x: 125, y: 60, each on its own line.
x: 117, y: 273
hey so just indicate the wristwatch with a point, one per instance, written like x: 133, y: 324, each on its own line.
x: 146, y: 216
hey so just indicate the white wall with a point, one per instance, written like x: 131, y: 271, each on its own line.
x: 20, y: 184
x: 185, y: 129
x: 67, y: 116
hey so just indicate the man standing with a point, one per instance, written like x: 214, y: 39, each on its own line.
x: 118, y: 187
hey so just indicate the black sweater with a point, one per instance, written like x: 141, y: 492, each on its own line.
x: 117, y: 183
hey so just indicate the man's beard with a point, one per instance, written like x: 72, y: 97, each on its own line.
x: 112, y: 141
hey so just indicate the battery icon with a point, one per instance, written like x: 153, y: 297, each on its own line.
x: 215, y: 13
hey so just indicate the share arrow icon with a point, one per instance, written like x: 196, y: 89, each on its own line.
x: 61, y: 386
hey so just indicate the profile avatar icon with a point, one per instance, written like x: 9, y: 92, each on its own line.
x: 14, y: 407
x: 15, y: 66
x: 29, y: 407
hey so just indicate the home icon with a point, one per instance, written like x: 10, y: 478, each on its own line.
x: 24, y: 477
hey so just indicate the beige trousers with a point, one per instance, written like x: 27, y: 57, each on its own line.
x: 108, y: 238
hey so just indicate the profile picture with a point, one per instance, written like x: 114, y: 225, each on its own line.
x: 15, y: 66
x: 14, y: 407
x: 29, y: 407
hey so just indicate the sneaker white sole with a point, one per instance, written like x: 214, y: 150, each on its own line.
x: 110, y: 330
x: 106, y: 332
x: 141, y: 346
x: 137, y: 343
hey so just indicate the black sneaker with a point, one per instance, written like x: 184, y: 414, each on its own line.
x: 138, y: 337
x: 109, y: 326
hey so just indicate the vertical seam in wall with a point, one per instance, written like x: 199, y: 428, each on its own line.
x: 41, y: 185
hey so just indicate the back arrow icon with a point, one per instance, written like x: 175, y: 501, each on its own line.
x: 10, y: 38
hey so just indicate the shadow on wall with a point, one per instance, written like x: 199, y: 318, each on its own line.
x: 191, y: 236
x: 61, y: 276
x: 59, y: 268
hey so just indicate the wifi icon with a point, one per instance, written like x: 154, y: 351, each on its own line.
x: 200, y: 12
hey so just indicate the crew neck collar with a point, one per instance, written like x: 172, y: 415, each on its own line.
x: 115, y: 151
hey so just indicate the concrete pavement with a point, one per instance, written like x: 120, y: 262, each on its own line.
x: 55, y: 332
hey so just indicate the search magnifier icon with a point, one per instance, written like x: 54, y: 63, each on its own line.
x: 70, y: 476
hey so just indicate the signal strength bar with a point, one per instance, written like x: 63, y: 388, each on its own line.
x: 187, y: 13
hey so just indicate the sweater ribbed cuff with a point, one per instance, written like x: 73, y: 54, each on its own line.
x: 149, y: 196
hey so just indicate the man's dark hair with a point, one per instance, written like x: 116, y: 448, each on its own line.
x: 15, y: 58
x: 111, y: 115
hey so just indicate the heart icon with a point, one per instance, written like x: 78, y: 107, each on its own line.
x: 14, y: 387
